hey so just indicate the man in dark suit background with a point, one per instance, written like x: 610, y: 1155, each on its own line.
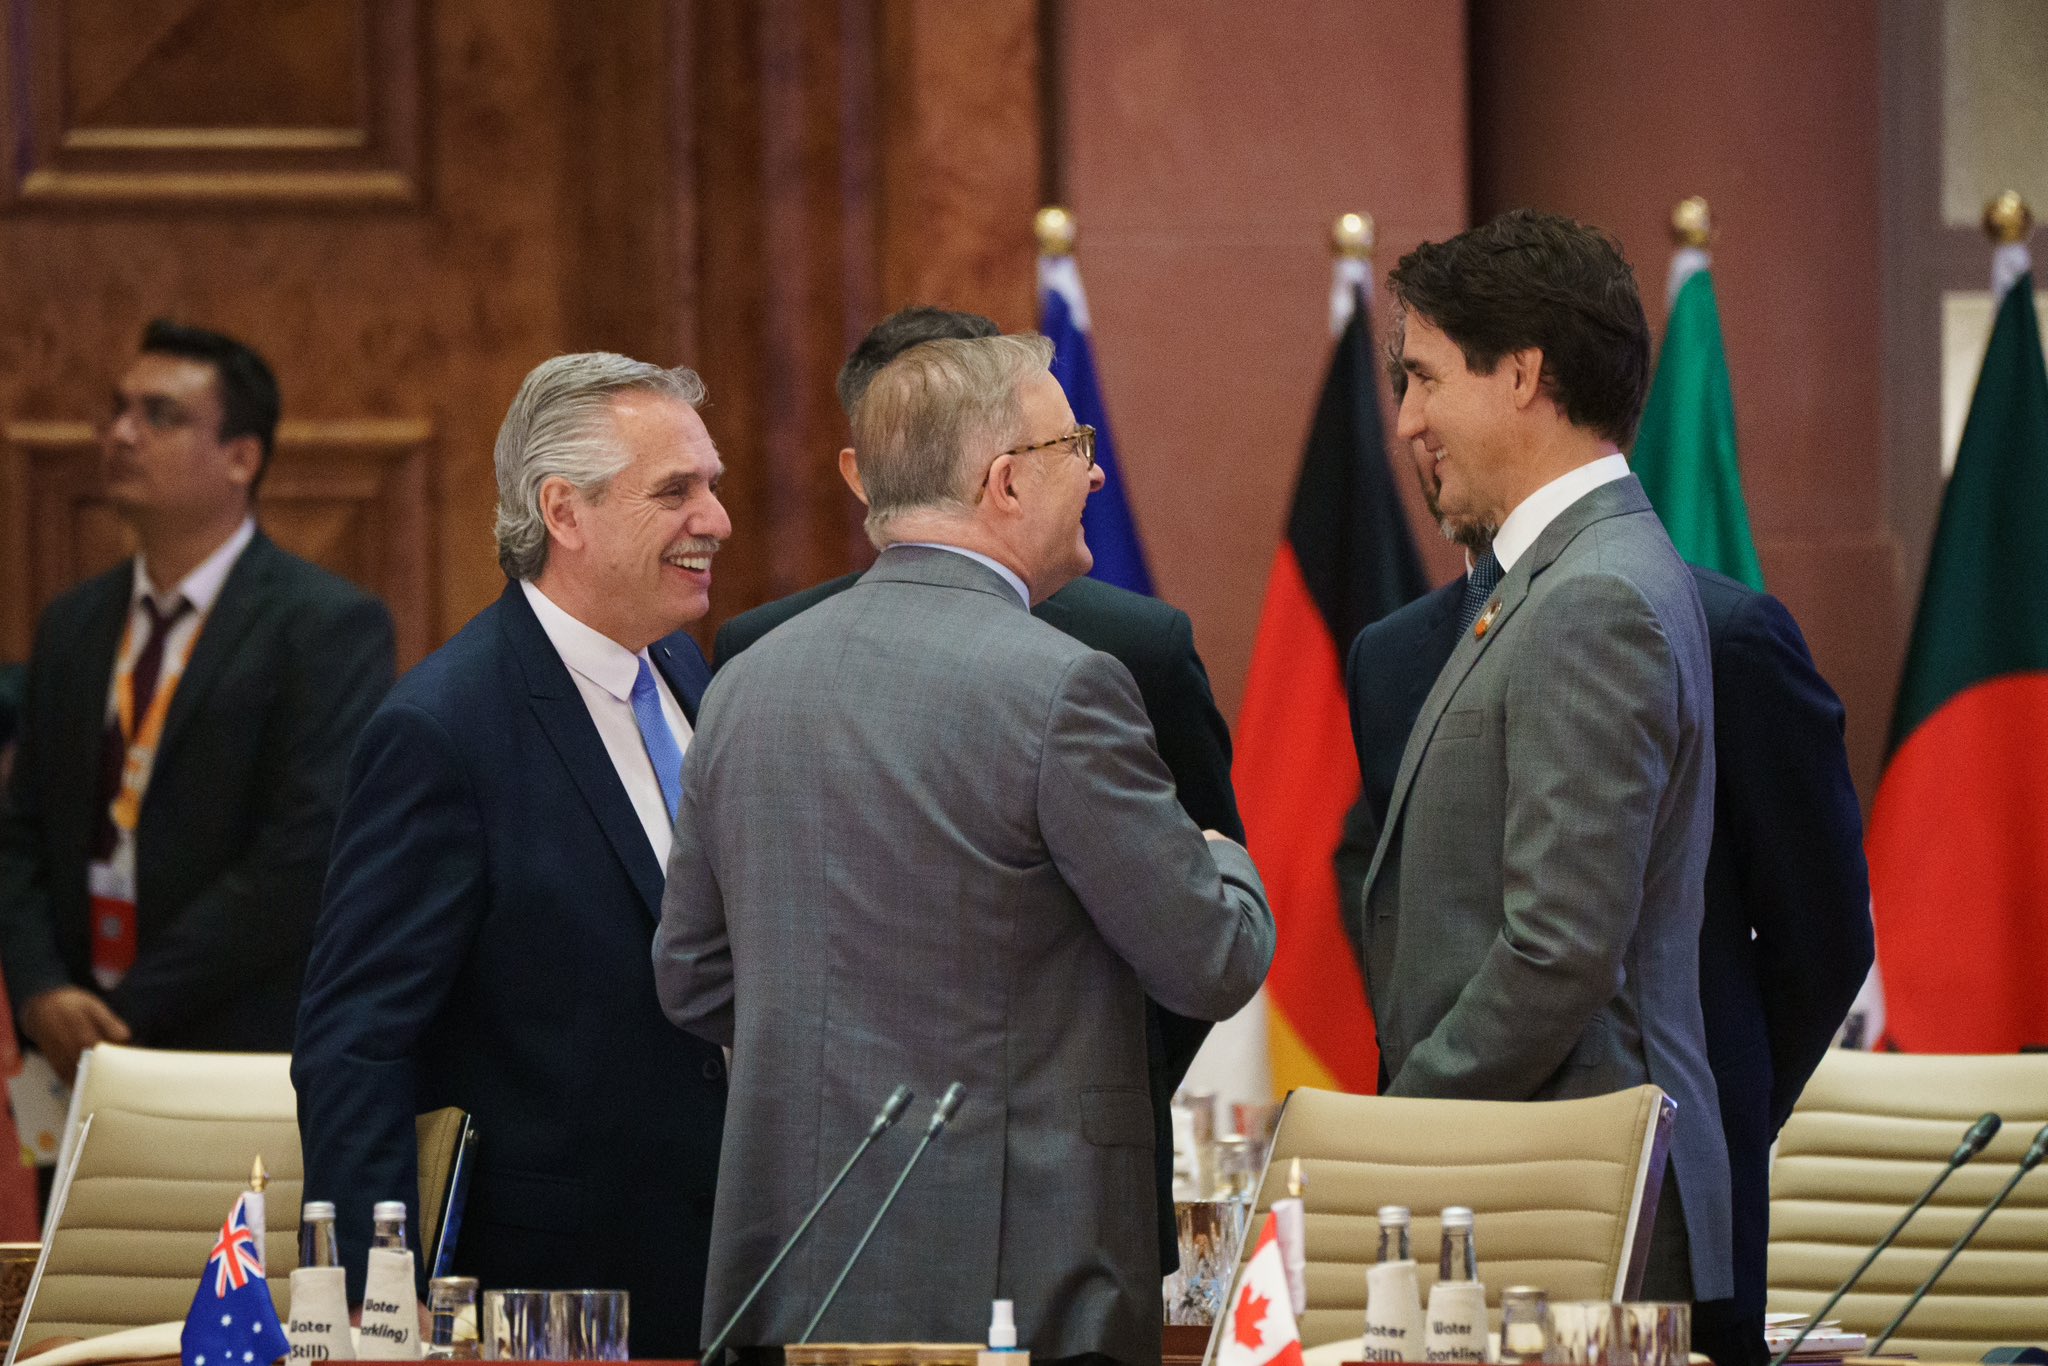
x: 187, y: 719
x: 1152, y: 639
x: 1786, y: 939
x: 498, y: 870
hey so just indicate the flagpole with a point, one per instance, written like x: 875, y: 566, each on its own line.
x: 1352, y: 239
x: 1692, y: 229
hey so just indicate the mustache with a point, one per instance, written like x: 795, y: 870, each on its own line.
x: 696, y: 545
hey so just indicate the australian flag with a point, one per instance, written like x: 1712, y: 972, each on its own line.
x: 233, y: 1322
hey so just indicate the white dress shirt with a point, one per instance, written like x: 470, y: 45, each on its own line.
x: 1542, y: 507
x: 604, y: 671
x: 201, y: 588
x: 1010, y: 576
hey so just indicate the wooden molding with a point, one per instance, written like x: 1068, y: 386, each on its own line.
x: 365, y: 148
x: 352, y: 495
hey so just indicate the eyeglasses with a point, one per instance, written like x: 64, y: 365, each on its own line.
x: 1082, y: 437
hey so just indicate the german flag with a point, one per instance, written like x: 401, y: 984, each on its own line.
x: 1958, y: 838
x: 1347, y: 560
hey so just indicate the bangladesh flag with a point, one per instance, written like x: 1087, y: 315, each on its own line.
x: 1685, y: 448
x: 1347, y: 559
x: 1958, y: 837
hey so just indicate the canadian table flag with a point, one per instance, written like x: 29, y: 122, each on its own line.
x: 1259, y: 1327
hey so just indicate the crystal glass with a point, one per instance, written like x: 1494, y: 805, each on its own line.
x: 590, y: 1325
x: 1211, y: 1233
x: 1656, y: 1333
x: 517, y: 1325
x: 1586, y: 1333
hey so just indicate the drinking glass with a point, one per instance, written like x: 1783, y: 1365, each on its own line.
x: 590, y: 1325
x: 1211, y: 1232
x: 517, y: 1325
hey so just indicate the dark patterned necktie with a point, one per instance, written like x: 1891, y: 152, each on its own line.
x: 1479, y: 586
x: 142, y: 680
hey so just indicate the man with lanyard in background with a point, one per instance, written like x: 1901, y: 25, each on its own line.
x: 186, y: 722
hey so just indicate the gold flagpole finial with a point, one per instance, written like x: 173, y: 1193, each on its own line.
x: 258, y: 1177
x: 1056, y: 230
x: 1354, y: 236
x: 1296, y: 1185
x: 1691, y: 224
x: 2007, y: 219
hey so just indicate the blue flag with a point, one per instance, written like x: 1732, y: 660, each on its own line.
x: 233, y: 1322
x: 1112, y: 534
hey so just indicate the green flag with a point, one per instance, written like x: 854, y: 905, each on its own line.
x: 1685, y: 449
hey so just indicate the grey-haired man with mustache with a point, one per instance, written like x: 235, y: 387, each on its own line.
x: 497, y: 872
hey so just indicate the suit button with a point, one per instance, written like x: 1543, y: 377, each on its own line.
x: 714, y: 1069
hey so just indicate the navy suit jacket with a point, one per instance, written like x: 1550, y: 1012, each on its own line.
x: 485, y: 943
x: 1786, y: 941
x: 1156, y: 642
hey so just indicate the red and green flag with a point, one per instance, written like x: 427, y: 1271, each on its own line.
x: 1684, y: 452
x: 1958, y: 836
x: 1346, y: 560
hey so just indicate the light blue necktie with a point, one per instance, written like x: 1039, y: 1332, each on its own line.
x: 658, y: 739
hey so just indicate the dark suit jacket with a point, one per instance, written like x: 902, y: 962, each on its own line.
x: 1156, y: 642
x: 1786, y: 940
x: 485, y: 943
x: 231, y: 842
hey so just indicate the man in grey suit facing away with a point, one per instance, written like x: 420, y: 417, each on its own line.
x: 1532, y: 915
x: 927, y: 838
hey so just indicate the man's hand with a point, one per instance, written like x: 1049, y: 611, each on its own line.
x: 65, y: 1021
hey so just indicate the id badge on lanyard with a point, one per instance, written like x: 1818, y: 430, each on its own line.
x: 112, y: 884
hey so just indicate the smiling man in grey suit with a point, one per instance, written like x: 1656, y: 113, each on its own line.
x: 926, y: 837
x: 1532, y: 916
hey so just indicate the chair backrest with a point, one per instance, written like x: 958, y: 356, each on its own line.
x: 172, y: 1140
x: 1868, y: 1134
x: 1558, y: 1189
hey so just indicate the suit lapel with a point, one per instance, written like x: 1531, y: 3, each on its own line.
x: 681, y: 662
x: 235, y: 611
x: 1620, y: 497
x: 82, y: 699
x: 565, y: 720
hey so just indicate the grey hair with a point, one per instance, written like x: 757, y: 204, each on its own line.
x: 933, y: 418
x: 560, y: 426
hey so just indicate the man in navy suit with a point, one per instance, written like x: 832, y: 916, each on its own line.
x: 1786, y: 940
x: 497, y: 873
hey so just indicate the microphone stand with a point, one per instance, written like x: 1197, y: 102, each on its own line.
x: 1973, y: 1143
x: 941, y: 1113
x: 892, y: 1109
x: 2032, y: 1160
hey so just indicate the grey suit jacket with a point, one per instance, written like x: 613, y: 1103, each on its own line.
x: 1533, y: 910
x: 927, y: 838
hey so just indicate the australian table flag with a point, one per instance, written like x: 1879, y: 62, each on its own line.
x: 233, y: 1322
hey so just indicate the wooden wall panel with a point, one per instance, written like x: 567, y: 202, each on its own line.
x: 1612, y: 112
x: 353, y: 497
x: 851, y: 157
x: 176, y: 101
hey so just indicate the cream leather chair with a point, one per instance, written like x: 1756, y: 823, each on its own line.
x: 1870, y: 1132
x: 172, y: 1138
x: 171, y: 1141
x: 1558, y: 1188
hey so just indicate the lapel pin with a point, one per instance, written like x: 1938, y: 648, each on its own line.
x: 1485, y: 622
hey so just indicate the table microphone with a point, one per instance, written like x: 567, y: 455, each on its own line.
x: 892, y: 1110
x: 1981, y: 1133
x: 941, y: 1113
x: 2032, y: 1160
